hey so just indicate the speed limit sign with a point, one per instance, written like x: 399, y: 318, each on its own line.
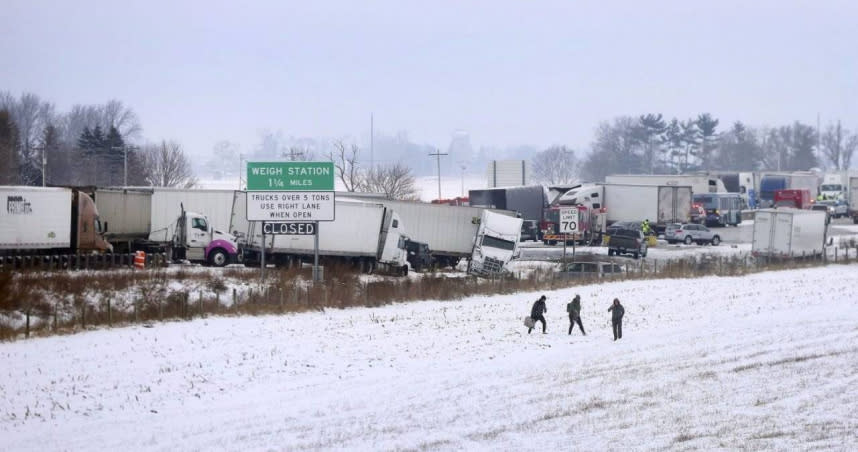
x: 568, y: 221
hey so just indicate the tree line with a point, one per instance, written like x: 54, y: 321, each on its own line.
x: 650, y: 144
x: 89, y: 145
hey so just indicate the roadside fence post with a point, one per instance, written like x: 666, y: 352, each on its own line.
x: 109, y: 314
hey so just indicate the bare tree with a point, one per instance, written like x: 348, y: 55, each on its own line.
x: 395, y: 181
x: 555, y: 165
x: 346, y: 164
x: 115, y: 114
x: 165, y: 165
x: 838, y: 145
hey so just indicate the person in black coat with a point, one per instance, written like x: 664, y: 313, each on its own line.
x: 617, y: 312
x: 536, y: 313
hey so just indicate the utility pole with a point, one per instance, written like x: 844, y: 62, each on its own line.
x: 240, y: 169
x: 44, y: 165
x: 292, y: 154
x: 371, y: 143
x: 463, y: 167
x: 125, y: 167
x: 437, y: 156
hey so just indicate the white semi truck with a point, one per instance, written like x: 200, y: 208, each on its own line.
x: 366, y: 234
x: 495, y: 244
x: 788, y: 233
x: 189, y: 224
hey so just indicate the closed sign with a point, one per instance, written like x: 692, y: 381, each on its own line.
x: 269, y: 228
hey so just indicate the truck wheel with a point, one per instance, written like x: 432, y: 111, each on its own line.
x: 218, y: 258
x: 636, y: 255
x: 688, y: 240
x: 716, y: 240
x: 610, y: 252
x: 404, y: 271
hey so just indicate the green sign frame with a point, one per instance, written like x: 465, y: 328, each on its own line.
x: 290, y: 176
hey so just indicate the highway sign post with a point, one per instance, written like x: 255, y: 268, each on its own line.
x: 568, y: 225
x: 293, y: 192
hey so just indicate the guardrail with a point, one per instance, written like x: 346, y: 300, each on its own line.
x: 78, y: 261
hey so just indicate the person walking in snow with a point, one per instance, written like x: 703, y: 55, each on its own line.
x: 574, y: 310
x: 536, y: 313
x: 617, y: 312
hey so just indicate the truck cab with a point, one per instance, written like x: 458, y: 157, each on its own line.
x: 393, y: 248
x: 197, y: 241
x: 495, y: 244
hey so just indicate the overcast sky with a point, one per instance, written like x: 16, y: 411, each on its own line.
x: 508, y: 72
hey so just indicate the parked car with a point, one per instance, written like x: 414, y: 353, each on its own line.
x: 591, y: 270
x: 690, y: 233
x: 529, y: 230
x: 627, y: 241
x: 836, y: 209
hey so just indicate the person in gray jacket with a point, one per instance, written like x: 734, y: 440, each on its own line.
x: 574, y: 310
x: 617, y: 312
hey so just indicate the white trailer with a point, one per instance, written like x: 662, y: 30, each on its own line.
x: 367, y: 234
x: 660, y: 204
x: 495, y: 244
x: 35, y: 218
x: 853, y: 198
x: 49, y: 220
x: 698, y: 183
x: 788, y: 233
x: 449, y: 231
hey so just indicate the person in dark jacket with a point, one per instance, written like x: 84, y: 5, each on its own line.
x: 574, y: 310
x: 536, y: 313
x: 617, y: 312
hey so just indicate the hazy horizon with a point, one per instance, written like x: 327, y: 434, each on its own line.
x: 507, y: 73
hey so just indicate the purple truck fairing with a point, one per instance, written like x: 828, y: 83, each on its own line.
x: 219, y: 243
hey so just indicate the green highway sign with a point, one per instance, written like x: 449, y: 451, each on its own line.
x: 290, y: 176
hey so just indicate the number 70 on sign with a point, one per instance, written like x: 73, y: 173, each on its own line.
x: 568, y: 221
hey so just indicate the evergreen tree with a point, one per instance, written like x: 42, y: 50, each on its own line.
x: 690, y: 145
x: 8, y: 149
x: 673, y: 146
x: 708, y: 139
x: 114, y: 156
x: 802, y: 147
x: 651, y: 136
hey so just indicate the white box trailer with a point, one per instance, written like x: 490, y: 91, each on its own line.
x: 853, y: 199
x: 35, y: 218
x: 449, y: 231
x: 363, y: 233
x: 788, y: 233
x: 698, y: 183
x: 660, y: 204
x: 49, y: 220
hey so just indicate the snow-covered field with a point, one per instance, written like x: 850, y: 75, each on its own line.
x: 767, y: 361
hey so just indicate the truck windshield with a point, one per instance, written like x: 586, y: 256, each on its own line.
x: 831, y: 187
x: 494, y: 242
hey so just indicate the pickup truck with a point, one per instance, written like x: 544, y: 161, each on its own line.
x: 627, y: 241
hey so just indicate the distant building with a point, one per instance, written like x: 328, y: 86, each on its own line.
x: 508, y: 173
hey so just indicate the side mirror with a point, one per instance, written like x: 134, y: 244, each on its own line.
x: 105, y: 226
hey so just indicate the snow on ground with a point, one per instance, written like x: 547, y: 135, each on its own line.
x: 766, y: 361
